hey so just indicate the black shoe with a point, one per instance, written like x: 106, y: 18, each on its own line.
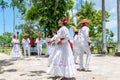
x: 81, y: 69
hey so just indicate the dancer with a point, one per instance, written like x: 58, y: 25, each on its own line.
x: 26, y: 45
x: 75, y: 46
x: 39, y: 42
x: 63, y: 65
x: 48, y: 46
x: 53, y: 47
x: 83, y: 45
x: 15, y: 53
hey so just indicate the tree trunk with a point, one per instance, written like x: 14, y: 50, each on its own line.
x: 3, y: 22
x: 13, y: 20
x: 118, y: 21
x: 104, y: 47
x: 43, y: 2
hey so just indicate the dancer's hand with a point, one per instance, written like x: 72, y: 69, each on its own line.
x: 60, y: 42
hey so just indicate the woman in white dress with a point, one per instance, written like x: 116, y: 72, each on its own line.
x: 53, y: 47
x: 39, y: 42
x: 75, y: 46
x: 15, y: 53
x: 48, y: 46
x: 63, y: 63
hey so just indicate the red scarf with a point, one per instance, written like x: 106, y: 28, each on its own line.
x: 75, y: 33
x: 68, y: 42
x: 83, y: 25
x: 25, y: 38
x: 39, y: 39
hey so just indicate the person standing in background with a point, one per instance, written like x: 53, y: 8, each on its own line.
x: 15, y: 53
x: 26, y: 45
x: 48, y: 46
x: 39, y: 42
x: 75, y: 46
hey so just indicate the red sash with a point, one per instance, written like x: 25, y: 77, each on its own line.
x: 68, y: 41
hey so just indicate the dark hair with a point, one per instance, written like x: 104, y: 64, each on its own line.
x: 65, y: 23
x: 76, y: 32
x: 54, y: 32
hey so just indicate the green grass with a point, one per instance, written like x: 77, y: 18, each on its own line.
x: 7, y: 50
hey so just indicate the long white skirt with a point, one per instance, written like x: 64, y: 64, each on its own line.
x: 63, y: 62
x: 48, y: 50
x: 52, y: 53
x: 16, y: 51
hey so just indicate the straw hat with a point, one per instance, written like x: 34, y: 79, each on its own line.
x: 39, y: 35
x: 25, y: 34
x: 84, y: 21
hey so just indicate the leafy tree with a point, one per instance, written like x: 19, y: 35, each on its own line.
x: 87, y: 11
x: 109, y: 35
x: 6, y: 39
x: 3, y: 5
x: 46, y: 13
x: 14, y: 4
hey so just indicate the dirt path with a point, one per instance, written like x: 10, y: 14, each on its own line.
x: 33, y: 68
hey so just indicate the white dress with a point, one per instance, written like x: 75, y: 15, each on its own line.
x: 63, y: 61
x: 52, y: 49
x: 76, y: 47
x: 16, y: 49
x: 48, y: 47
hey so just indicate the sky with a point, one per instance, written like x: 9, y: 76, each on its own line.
x: 111, y: 7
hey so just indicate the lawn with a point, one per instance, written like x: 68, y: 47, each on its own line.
x: 94, y: 50
x: 7, y: 50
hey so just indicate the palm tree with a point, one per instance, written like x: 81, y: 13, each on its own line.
x: 3, y: 5
x: 104, y: 48
x: 118, y: 21
x: 13, y: 4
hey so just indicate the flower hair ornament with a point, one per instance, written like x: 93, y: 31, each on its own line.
x: 14, y: 36
x: 66, y: 20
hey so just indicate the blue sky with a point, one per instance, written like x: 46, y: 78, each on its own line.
x: 111, y: 7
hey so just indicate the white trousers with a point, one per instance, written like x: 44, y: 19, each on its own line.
x: 39, y: 50
x: 26, y: 50
x: 76, y: 54
x: 84, y: 49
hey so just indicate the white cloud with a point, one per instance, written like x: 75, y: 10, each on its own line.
x: 112, y: 24
x: 113, y: 10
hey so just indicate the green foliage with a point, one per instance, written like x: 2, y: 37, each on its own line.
x: 48, y: 12
x: 3, y: 4
x: 87, y: 11
x: 6, y: 38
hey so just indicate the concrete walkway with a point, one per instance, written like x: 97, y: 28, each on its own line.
x: 33, y: 68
